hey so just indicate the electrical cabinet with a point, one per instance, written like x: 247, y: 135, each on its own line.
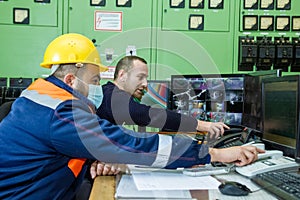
x: 27, y: 27
x: 174, y: 36
x: 117, y: 28
x: 194, y: 37
x: 274, y: 29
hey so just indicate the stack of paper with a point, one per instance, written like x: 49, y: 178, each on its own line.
x: 160, y: 184
x: 127, y: 190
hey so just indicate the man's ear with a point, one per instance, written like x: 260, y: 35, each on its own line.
x: 122, y: 75
x: 69, y: 79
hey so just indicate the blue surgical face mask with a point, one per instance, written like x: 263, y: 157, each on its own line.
x: 95, y: 94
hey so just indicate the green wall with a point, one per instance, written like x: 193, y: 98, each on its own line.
x: 159, y: 30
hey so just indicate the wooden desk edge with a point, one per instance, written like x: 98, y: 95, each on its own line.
x: 104, y: 188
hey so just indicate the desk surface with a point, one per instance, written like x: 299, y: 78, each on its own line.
x: 105, y: 186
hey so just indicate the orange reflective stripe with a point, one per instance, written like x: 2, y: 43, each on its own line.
x: 75, y: 165
x: 47, y: 88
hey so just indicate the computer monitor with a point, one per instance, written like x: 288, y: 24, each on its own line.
x: 281, y: 110
x: 209, y: 97
x: 252, y: 115
x: 158, y: 93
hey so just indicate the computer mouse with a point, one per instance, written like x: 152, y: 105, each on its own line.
x: 234, y: 188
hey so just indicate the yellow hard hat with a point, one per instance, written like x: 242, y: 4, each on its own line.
x: 72, y: 48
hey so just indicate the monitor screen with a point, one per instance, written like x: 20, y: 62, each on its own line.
x: 252, y: 116
x: 209, y: 97
x: 157, y: 94
x: 280, y: 100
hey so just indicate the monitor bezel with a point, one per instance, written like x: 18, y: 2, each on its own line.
x: 287, y: 150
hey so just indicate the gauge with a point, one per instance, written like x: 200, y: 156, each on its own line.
x: 283, y: 5
x: 97, y: 2
x: 250, y: 22
x: 266, y: 23
x: 250, y: 4
x: 123, y: 3
x: 283, y: 23
x: 177, y: 3
x: 216, y: 4
x: 267, y: 4
x: 196, y: 22
x: 296, y: 23
x: 196, y: 3
x: 21, y: 15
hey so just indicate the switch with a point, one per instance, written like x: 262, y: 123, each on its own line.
x: 284, y: 53
x: 131, y: 50
x: 295, y: 67
x: 247, y: 53
x: 3, y: 85
x: 266, y: 53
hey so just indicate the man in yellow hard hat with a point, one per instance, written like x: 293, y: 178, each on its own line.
x: 52, y: 130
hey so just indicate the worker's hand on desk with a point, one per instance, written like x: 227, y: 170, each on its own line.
x: 214, y: 129
x: 99, y: 168
x: 239, y: 155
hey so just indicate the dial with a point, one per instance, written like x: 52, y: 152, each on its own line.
x: 196, y: 3
x: 266, y: 23
x: 267, y: 4
x: 21, y: 16
x: 283, y: 23
x: 216, y: 4
x: 250, y: 4
x: 296, y: 23
x: 196, y: 22
x: 283, y: 5
x: 177, y: 3
x: 250, y: 23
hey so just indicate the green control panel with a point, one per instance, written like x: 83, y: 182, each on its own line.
x: 174, y: 36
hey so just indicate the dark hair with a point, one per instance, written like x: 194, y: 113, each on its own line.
x: 126, y: 64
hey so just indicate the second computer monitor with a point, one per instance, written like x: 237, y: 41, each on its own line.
x: 210, y: 97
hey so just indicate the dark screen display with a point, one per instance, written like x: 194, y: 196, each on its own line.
x: 280, y: 98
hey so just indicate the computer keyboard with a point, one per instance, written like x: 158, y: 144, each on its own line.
x: 283, y: 184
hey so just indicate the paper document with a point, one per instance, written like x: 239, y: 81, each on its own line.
x: 172, y: 181
x: 127, y: 190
